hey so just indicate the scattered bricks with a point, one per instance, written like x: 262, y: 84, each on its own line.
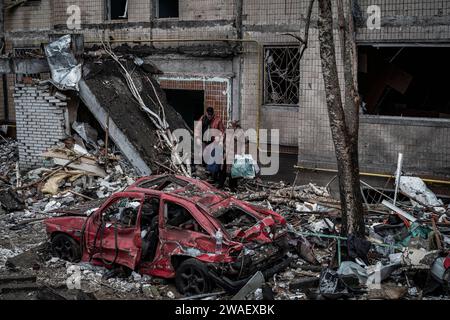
x: 60, y: 96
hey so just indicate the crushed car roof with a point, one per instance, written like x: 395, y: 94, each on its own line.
x: 189, y: 189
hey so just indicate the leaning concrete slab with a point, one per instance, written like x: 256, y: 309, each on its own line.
x: 117, y: 136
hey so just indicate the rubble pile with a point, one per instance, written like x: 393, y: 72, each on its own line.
x: 26, y: 198
x: 95, y: 281
x: 403, y: 255
x: 8, y: 162
x: 66, y: 179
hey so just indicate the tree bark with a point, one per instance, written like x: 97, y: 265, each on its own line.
x: 343, y: 123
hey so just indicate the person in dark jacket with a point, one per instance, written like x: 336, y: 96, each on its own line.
x: 210, y: 121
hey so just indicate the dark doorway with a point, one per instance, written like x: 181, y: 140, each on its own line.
x: 404, y: 81
x: 188, y: 103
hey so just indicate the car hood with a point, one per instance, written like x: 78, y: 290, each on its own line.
x: 262, y: 232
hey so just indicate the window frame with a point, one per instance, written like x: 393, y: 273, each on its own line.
x: 114, y: 201
x: 108, y: 12
x: 177, y: 228
x: 157, y: 15
x: 264, y: 92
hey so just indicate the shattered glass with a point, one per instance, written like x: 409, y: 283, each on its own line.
x: 282, y: 75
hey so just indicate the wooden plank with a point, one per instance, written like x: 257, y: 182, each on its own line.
x: 95, y: 169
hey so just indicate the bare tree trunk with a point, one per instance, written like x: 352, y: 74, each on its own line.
x: 343, y: 123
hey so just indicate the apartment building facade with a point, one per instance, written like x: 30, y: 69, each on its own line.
x: 241, y: 57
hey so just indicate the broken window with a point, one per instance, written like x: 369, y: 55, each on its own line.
x: 180, y: 217
x: 27, y: 53
x: 281, y: 75
x: 116, y: 9
x: 403, y: 81
x: 150, y: 210
x: 123, y: 211
x: 149, y: 228
x: 167, y: 8
x: 163, y: 184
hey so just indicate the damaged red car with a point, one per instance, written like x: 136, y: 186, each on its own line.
x: 176, y: 227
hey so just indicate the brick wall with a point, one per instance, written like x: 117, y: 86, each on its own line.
x: 206, y: 10
x: 407, y: 20
x: 92, y: 12
x: 40, y: 122
x: 271, y: 116
x: 425, y: 144
x: 274, y: 12
x: 216, y: 94
x: 32, y: 15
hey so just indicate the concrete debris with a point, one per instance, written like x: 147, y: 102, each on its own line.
x: 279, y: 241
x: 350, y: 271
x: 388, y: 292
x: 10, y: 201
x: 253, y: 284
x: 402, y: 243
x: 86, y: 132
x: 313, y: 273
x: 419, y: 193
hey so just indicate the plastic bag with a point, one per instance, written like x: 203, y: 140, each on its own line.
x: 244, y: 167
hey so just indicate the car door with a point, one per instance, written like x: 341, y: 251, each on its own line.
x: 114, y: 230
x: 183, y: 234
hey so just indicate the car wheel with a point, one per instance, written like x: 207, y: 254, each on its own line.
x: 66, y: 248
x: 192, y: 278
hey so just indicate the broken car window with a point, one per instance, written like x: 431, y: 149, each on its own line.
x: 172, y: 186
x: 234, y: 219
x: 179, y: 217
x: 123, y: 211
x: 150, y: 210
x: 161, y: 184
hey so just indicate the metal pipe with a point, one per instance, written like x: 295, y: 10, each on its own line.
x: 398, y: 175
x: 369, y: 174
x: 260, y: 62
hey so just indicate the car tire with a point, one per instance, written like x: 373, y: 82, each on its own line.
x: 66, y: 248
x: 192, y: 278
